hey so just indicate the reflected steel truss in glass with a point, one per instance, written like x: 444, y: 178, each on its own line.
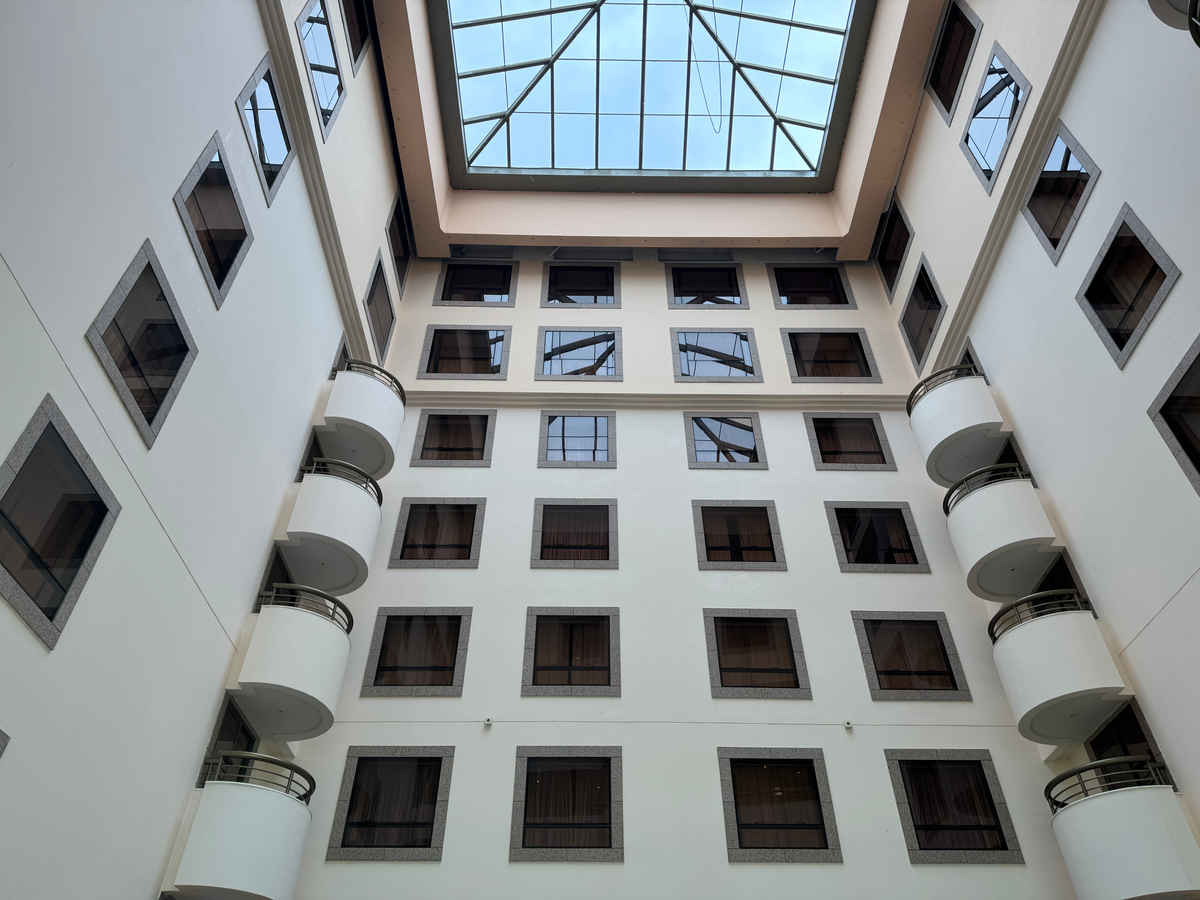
x: 724, y: 439
x: 571, y: 438
x: 580, y: 353
x: 722, y: 354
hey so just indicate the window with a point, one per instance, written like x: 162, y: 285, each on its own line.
x: 708, y: 354
x: 579, y: 534
x: 720, y: 440
x: 921, y: 315
x: 954, y: 50
x: 215, y: 221
x: 572, y: 652
x: 465, y: 353
x: 778, y: 807
x: 397, y: 231
x: 438, y: 533
x: 849, y: 441
x: 1126, y: 285
x: 265, y: 122
x: 876, y: 537
x: 579, y: 355
x: 1058, y: 194
x: 56, y: 513
x: 1176, y: 414
x: 454, y: 437
x: 909, y: 656
x: 417, y: 652
x: 392, y: 804
x: 828, y: 354
x: 567, y: 805
x: 755, y: 653
x: 706, y: 286
x: 320, y: 57
x: 814, y: 287
x: 380, y: 315
x: 895, y: 234
x: 231, y: 735
x: 1124, y: 734
x: 736, y: 534
x: 993, y: 121
x: 581, y: 286
x: 143, y: 343
x: 578, y: 439
x: 463, y: 284
x: 358, y: 29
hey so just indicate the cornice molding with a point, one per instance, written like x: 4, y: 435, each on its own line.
x: 873, y: 402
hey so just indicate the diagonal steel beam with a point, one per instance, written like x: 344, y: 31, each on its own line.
x: 775, y: 20
x: 819, y: 79
x: 529, y: 14
x: 508, y: 67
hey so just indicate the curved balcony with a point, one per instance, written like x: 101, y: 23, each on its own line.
x: 1122, y: 832
x: 1059, y: 677
x: 292, y: 672
x: 363, y: 416
x: 333, y: 525
x: 247, y: 837
x: 999, y: 531
x: 955, y: 422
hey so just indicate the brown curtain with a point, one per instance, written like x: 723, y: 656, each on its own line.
x: 464, y: 352
x: 571, y: 650
x: 454, y: 437
x: 567, y: 802
x: 778, y: 804
x: 848, y: 441
x: 392, y: 803
x: 438, y: 531
x: 754, y: 652
x: 418, y: 650
x: 575, y: 532
x: 738, y: 534
x: 875, y: 537
x: 909, y: 656
x: 951, y: 805
x: 829, y: 355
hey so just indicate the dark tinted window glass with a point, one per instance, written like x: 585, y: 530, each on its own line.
x: 951, y: 805
x: 574, y: 532
x: 269, y: 139
x: 418, y: 650
x: 322, y: 61
x: 277, y: 573
x: 213, y: 212
x: 1058, y: 191
x: 1123, y: 736
x: 777, y: 804
x: 723, y: 439
x: 1057, y: 578
x: 577, y: 437
x: 993, y: 116
x: 466, y: 352
x: 380, y: 313
x: 567, y: 802
x: 392, y: 803
x: 722, y: 354
x: 1182, y: 413
x: 892, y: 244
x: 146, y: 343
x: 700, y: 287
x: 875, y: 536
x: 581, y: 284
x: 829, y: 355
x: 754, y: 652
x: 49, y: 517
x: 571, y: 650
x: 477, y: 284
x: 848, y: 441
x: 921, y: 314
x: 580, y: 353
x: 454, y: 437
x: 438, y: 531
x: 1125, y: 284
x: 909, y: 656
x: 233, y: 735
x: 737, y: 534
x: 811, y: 286
x: 398, y: 238
x: 951, y: 59
x: 358, y: 25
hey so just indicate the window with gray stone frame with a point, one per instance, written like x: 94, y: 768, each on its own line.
x: 849, y: 442
x: 476, y: 283
x: 267, y: 129
x: 995, y: 112
x: 715, y: 355
x: 380, y: 313
x: 706, y: 286
x: 577, y: 439
x: 959, y: 765
x: 319, y: 49
x: 355, y: 836
x: 143, y: 343
x: 438, y: 533
x: 869, y: 543
x: 454, y: 437
x: 924, y: 658
x: 829, y: 355
x: 431, y: 659
x: 740, y: 642
x: 583, y: 544
x: 529, y: 807
x: 959, y: 33
x: 814, y: 282
x: 358, y: 21
x: 1057, y: 196
x: 578, y: 354
x: 892, y: 243
x: 572, y: 651
x: 738, y: 534
x: 1126, y: 285
x: 803, y: 815
x: 1175, y: 412
x: 476, y: 352
x: 581, y: 285
x: 56, y: 513
x: 922, y: 314
x: 724, y: 440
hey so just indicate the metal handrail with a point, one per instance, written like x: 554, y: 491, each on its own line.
x: 981, y: 478
x: 310, y: 600
x: 1043, y: 603
x: 937, y: 379
x: 1194, y: 20
x: 1104, y: 775
x: 379, y: 373
x: 322, y: 465
x: 258, y: 768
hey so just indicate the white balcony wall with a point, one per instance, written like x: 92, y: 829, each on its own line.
x: 330, y: 534
x: 958, y: 429
x: 361, y: 423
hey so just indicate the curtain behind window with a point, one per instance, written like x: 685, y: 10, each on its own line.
x: 829, y: 355
x: 738, y: 534
x: 848, y: 441
x: 392, y: 804
x: 567, y: 802
x: 778, y: 804
x: 454, y: 437
x: 418, y: 650
x: 875, y: 536
x: 951, y: 805
x: 438, y: 531
x: 909, y: 656
x: 754, y: 652
x: 571, y: 650
x: 574, y: 532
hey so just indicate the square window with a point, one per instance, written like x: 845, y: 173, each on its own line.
x: 567, y: 805
x: 454, y: 437
x: 265, y: 122
x: 477, y: 353
x: 954, y: 49
x: 380, y: 315
x: 909, y: 656
x: 891, y: 248
x: 828, y: 354
x: 709, y: 354
x: 849, y: 441
x: 572, y: 652
x: 579, y: 355
x: 320, y: 58
x: 580, y: 286
x: 577, y: 439
x: 724, y: 440
x: 755, y: 653
x: 737, y: 534
x: 358, y: 29
x: 814, y: 287
x: 472, y: 284
x: 993, y: 121
x: 706, y: 286
x: 437, y: 532
x: 876, y: 538
x: 417, y: 652
x: 921, y: 316
x: 1058, y: 194
x: 574, y: 534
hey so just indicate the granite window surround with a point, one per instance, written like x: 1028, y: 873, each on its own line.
x: 612, y: 689
x: 890, y: 461
x: 322, y: 126
x: 541, y: 351
x: 1170, y: 271
x: 517, y: 852
x: 968, y: 13
x: 780, y: 563
x: 841, y: 268
x: 1156, y: 416
x: 265, y: 68
x: 406, y: 504
x: 757, y: 377
x: 891, y: 292
x: 95, y: 336
x: 1055, y: 253
x: 803, y: 690
x: 378, y: 272
x: 690, y: 436
x: 488, y: 440
x: 355, y: 63
x: 433, y: 853
x: 1011, y: 856
x: 404, y: 251
x: 794, y: 371
x: 427, y: 349
x: 669, y: 269
x: 49, y: 630
x: 961, y: 692
x: 918, y: 360
x: 922, y: 564
x: 1026, y: 88
x: 580, y: 264
x: 535, y: 556
x: 371, y: 689
x: 544, y: 441
x: 514, y: 266
x: 831, y: 854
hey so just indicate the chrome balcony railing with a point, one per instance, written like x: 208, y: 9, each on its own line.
x: 258, y: 768
x: 310, y: 600
x: 1104, y: 775
x: 321, y: 465
x: 1194, y: 20
x: 1043, y: 603
x: 362, y: 367
x: 938, y: 378
x: 981, y: 478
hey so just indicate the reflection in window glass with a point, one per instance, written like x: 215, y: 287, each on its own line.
x: 466, y: 352
x: 1182, y: 413
x: 994, y: 116
x: 921, y: 314
x: 778, y: 805
x: 574, y: 532
x: 1058, y: 191
x: 737, y: 534
x: 213, y: 212
x: 438, y: 531
x: 848, y: 441
x: 580, y: 353
x: 317, y: 38
x: 951, y: 805
x: 695, y: 286
x: 1125, y: 285
x: 380, y: 313
x: 909, y: 655
x: 577, y: 438
x: 829, y: 355
x: 418, y: 650
x: 723, y: 439
x: 568, y: 802
x: 477, y: 284
x: 571, y: 650
x: 755, y: 653
x: 393, y: 801
x: 581, y: 284
x: 720, y: 354
x: 268, y: 137
x: 454, y: 437
x: 876, y: 537
x: 811, y: 286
